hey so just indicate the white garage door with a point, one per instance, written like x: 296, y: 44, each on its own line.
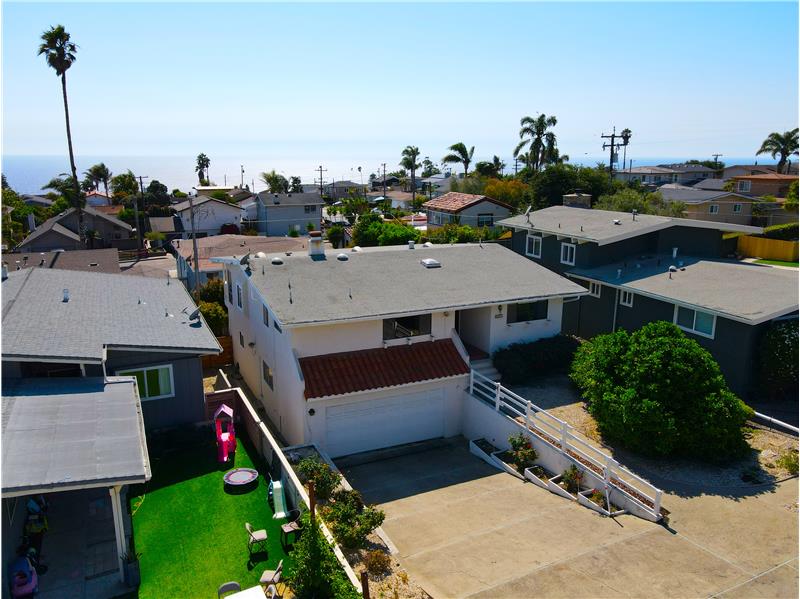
x: 378, y: 423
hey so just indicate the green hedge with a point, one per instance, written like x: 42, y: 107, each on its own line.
x: 778, y: 357
x: 786, y: 232
x: 520, y: 362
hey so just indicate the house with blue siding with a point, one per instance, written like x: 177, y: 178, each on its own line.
x: 279, y: 213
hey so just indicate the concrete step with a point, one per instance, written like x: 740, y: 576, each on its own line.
x: 485, y: 368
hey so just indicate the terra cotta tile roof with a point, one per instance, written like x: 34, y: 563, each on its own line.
x: 363, y: 370
x: 454, y: 201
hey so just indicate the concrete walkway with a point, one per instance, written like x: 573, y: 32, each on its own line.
x: 464, y: 529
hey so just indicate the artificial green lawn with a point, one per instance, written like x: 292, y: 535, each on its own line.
x: 190, y: 532
x: 777, y: 263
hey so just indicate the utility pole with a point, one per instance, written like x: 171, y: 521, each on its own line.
x: 516, y: 164
x: 321, y: 170
x: 613, y: 145
x: 194, y: 247
x: 241, y: 166
x: 716, y: 161
x: 383, y: 164
x: 136, y: 213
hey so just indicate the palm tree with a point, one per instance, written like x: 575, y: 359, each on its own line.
x: 59, y: 53
x: 460, y: 154
x: 276, y: 182
x: 783, y: 145
x: 409, y: 162
x: 498, y: 166
x: 626, y: 138
x: 541, y: 143
x: 99, y: 173
x: 203, y: 162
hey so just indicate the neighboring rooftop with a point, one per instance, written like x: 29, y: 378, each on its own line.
x: 377, y: 282
x: 71, y: 432
x: 766, y: 177
x: 710, y: 184
x: 199, y: 201
x: 103, y: 260
x: 166, y: 224
x: 289, y: 199
x: 104, y: 310
x: 217, y: 246
x: 350, y: 372
x: 606, y: 226
x: 749, y: 293
x: 673, y: 192
x: 54, y: 224
x: 454, y: 201
x: 38, y: 200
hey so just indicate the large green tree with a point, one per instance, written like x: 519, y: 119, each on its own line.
x: 783, y: 145
x: 536, y: 136
x: 409, y: 162
x: 124, y: 185
x: 490, y: 169
x: 59, y: 52
x: 97, y: 174
x: 628, y: 200
x: 460, y: 155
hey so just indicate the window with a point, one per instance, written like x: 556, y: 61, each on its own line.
x: 276, y: 325
x: 713, y: 209
x: 154, y: 382
x: 743, y: 186
x: 594, y: 289
x: 230, y: 289
x: 265, y: 315
x: 533, y: 246
x: 407, y: 326
x: 239, y: 296
x: 266, y: 373
x: 486, y: 220
x: 695, y: 321
x: 310, y: 209
x: 526, y: 312
x: 737, y: 208
x: 568, y: 254
x: 626, y: 298
x: 241, y: 339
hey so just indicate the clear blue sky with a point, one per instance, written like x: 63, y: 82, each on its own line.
x: 249, y: 79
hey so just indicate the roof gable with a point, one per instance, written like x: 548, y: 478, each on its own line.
x: 455, y: 202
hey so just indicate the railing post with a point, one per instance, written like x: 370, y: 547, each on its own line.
x: 564, y: 433
x: 471, y: 382
x: 528, y: 415
x: 657, y: 503
x: 497, y: 397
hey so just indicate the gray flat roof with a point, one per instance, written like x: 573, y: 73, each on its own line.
x: 673, y: 192
x: 599, y: 225
x: 113, y: 310
x: 750, y: 293
x: 272, y: 200
x: 71, y: 433
x: 378, y: 282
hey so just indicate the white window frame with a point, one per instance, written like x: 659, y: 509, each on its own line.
x: 595, y: 289
x: 239, y: 298
x: 532, y: 239
x: 713, y: 209
x: 271, y: 380
x: 694, y: 322
x: 567, y: 246
x: 129, y: 371
x: 265, y: 315
x: 484, y: 216
x: 737, y: 208
x: 626, y: 298
x: 744, y: 186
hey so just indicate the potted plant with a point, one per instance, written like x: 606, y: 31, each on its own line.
x: 598, y: 501
x: 130, y: 562
x: 568, y: 483
x: 520, y: 456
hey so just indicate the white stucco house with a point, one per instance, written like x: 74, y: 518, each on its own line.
x: 209, y: 215
x: 366, y: 349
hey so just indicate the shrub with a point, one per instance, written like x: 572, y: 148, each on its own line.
x: 394, y: 234
x: 216, y: 316
x: 787, y: 232
x: 519, y: 362
x: 314, y: 572
x: 572, y: 478
x: 310, y: 226
x: 658, y: 392
x: 598, y: 497
x: 789, y: 461
x: 350, y: 520
x: 212, y: 291
x: 377, y: 562
x: 523, y: 454
x: 325, y: 479
x: 293, y: 233
x: 335, y: 235
x: 777, y: 356
x: 229, y: 229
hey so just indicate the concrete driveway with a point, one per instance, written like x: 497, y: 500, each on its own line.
x: 464, y: 529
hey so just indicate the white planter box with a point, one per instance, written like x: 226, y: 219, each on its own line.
x: 553, y: 486
x: 503, y: 466
x: 583, y: 499
x: 477, y: 451
x: 535, y: 479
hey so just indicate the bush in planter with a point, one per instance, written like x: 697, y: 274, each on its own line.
x: 377, y: 562
x: 350, y: 520
x: 519, y: 362
x: 539, y: 472
x: 325, y: 479
x: 778, y: 357
x: 599, y: 498
x: 572, y: 478
x: 658, y: 392
x: 522, y: 452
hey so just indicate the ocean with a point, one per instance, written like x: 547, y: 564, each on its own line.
x: 27, y: 174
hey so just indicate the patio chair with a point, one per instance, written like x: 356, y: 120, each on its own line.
x: 292, y: 526
x: 272, y: 577
x: 256, y: 538
x: 271, y: 592
x: 228, y: 587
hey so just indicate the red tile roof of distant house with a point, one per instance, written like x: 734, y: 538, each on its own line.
x: 364, y: 370
x: 454, y: 201
x: 767, y: 177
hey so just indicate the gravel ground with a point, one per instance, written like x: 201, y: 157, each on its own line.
x: 393, y: 584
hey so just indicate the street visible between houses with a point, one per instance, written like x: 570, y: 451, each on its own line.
x: 464, y: 529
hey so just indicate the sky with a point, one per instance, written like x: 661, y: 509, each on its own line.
x: 315, y: 82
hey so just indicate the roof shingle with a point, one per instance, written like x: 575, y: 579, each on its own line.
x: 454, y: 201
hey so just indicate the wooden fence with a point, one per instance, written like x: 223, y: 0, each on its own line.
x: 768, y: 249
x: 223, y: 359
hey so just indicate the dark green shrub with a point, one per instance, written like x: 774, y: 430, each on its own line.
x: 216, y: 316
x: 212, y: 291
x: 787, y: 232
x: 789, y: 461
x: 777, y: 356
x: 377, y: 562
x: 293, y: 233
x: 523, y: 454
x: 658, y: 392
x: 325, y: 479
x: 520, y: 362
x: 314, y: 572
x: 350, y: 520
x: 572, y: 478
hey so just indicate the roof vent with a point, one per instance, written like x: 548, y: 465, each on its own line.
x: 430, y: 263
x: 277, y: 261
x: 427, y: 244
x: 673, y: 269
x: 411, y: 244
x: 66, y: 295
x: 617, y: 221
x: 356, y: 248
x: 342, y: 257
x: 92, y: 263
x: 261, y: 255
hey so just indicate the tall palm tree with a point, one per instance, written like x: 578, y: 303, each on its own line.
x: 498, y: 166
x: 201, y: 168
x: 99, y: 173
x: 780, y: 144
x: 409, y: 162
x: 541, y: 143
x: 460, y: 155
x: 59, y: 53
x: 626, y: 138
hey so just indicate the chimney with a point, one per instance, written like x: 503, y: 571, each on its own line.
x: 31, y: 223
x: 316, y: 246
x: 66, y: 295
x: 411, y: 244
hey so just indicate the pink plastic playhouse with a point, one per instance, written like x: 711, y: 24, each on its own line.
x: 226, y: 440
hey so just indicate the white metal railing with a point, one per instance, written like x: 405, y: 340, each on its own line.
x: 563, y: 437
x: 778, y: 423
